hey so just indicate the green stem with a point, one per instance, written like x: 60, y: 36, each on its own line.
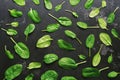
x: 94, y: 27
x: 116, y: 9
x: 53, y: 16
x: 62, y: 2
x: 100, y: 48
x: 8, y: 24
x: 103, y: 69
x: 4, y: 29
x: 5, y: 47
x: 78, y: 40
x: 89, y: 52
x: 118, y: 38
x: 26, y: 37
x: 43, y: 30
x: 13, y: 40
x: 68, y: 11
x: 81, y: 62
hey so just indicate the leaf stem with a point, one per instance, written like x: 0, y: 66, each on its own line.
x: 78, y: 40
x: 116, y: 9
x: 93, y: 27
x: 104, y: 69
x: 13, y: 40
x: 44, y: 30
x: 68, y: 11
x: 100, y: 48
x: 81, y: 62
x: 8, y: 24
x: 5, y: 47
x: 89, y: 52
x: 62, y: 2
x: 4, y: 29
x: 53, y: 16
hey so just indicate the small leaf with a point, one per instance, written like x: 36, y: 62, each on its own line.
x: 74, y: 2
x: 75, y: 14
x: 37, y: 2
x: 65, y: 45
x: 104, y: 3
x: 52, y: 27
x: 50, y: 58
x: 97, y: 57
x: 59, y: 6
x: 13, y: 71
x: 15, y: 13
x: 82, y: 25
x: 21, y: 49
x: 112, y: 74
x: 105, y: 38
x: 29, y: 29
x: 29, y: 77
x: 48, y: 4
x: 13, y: 24
x: 102, y: 23
x: 68, y: 78
x: 20, y: 2
x: 110, y: 59
x: 70, y: 34
x: 10, y: 32
x: 94, y: 12
x: 88, y: 4
x: 34, y: 65
x: 82, y: 57
x: 44, y: 41
x: 115, y: 33
x: 65, y: 21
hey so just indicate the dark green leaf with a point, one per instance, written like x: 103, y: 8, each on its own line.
x: 88, y: 4
x: 20, y: 2
x: 29, y: 77
x: 59, y: 6
x: 15, y: 13
x: 65, y: 45
x: 13, y: 71
x: 74, y: 2
x: 68, y: 78
x: 115, y: 33
x: 82, y: 57
x: 37, y: 2
x: 110, y: 59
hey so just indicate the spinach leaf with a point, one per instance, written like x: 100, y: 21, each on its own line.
x: 20, y: 2
x: 59, y: 6
x: 44, y: 41
x: 74, y: 2
x: 34, y: 65
x: 48, y: 4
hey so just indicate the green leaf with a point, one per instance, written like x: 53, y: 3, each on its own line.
x: 90, y: 40
x: 8, y: 53
x: 112, y: 74
x: 29, y: 77
x: 29, y: 29
x: 90, y: 72
x: 70, y: 34
x: 50, y: 58
x: 49, y: 75
x: 15, y: 13
x: 82, y: 57
x: 20, y: 2
x: 37, y: 2
x: 65, y: 45
x: 102, y: 23
x: 13, y: 24
x: 82, y: 25
x: 34, y: 16
x: 88, y: 4
x: 111, y: 16
x: 65, y: 21
x: 94, y: 12
x: 104, y: 3
x: 97, y: 57
x: 110, y: 59
x: 21, y: 49
x: 52, y: 27
x: 13, y: 71
x: 68, y: 78
x: 10, y: 32
x: 34, y: 65
x: 115, y: 33
x: 44, y: 41
x: 67, y: 63
x: 105, y: 38
x: 75, y: 14
x: 48, y: 4
x: 59, y: 6
x: 74, y: 2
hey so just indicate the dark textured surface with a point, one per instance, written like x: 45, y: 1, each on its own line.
x: 37, y: 54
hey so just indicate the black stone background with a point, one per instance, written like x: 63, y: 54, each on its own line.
x: 37, y: 54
